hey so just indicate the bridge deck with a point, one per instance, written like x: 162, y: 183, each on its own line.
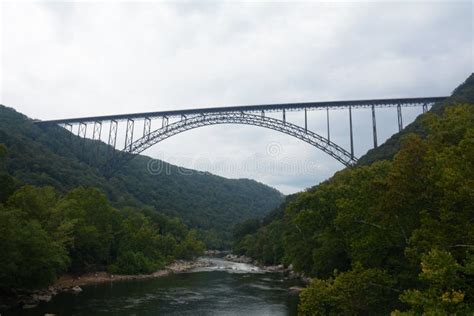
x: 405, y: 102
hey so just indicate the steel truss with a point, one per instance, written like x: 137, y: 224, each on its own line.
x: 255, y: 115
x: 188, y: 123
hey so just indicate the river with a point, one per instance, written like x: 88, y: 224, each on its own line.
x: 226, y: 288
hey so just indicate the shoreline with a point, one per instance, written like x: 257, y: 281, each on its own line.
x: 288, y: 272
x: 72, y: 284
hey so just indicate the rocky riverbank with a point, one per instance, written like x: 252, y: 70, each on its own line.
x: 287, y: 272
x: 73, y: 284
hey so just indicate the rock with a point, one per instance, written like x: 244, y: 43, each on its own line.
x: 28, y: 301
x: 52, y: 291
x: 44, y: 297
x: 305, y: 279
x: 296, y: 289
x: 76, y: 289
x: 293, y: 275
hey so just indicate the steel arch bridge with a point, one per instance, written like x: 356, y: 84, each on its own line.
x: 179, y: 121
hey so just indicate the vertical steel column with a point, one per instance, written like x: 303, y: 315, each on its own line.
x: 327, y: 122
x: 374, y: 126
x: 147, y: 127
x: 284, y: 116
x: 82, y: 130
x: 129, y: 134
x: 68, y: 127
x: 400, y: 119
x: 425, y: 107
x: 113, y: 135
x: 97, y: 132
x: 305, y: 120
x: 263, y: 113
x: 164, y: 122
x: 350, y: 126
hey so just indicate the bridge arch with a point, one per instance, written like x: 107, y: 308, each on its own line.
x: 189, y: 123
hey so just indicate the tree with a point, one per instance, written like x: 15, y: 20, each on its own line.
x: 355, y: 292
x: 441, y: 293
x: 7, y: 183
x: 30, y: 257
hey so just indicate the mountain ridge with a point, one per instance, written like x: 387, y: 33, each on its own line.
x: 52, y: 156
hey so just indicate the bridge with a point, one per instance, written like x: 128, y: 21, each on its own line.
x: 171, y: 123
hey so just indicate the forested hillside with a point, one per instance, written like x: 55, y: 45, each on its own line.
x: 50, y: 156
x: 395, y: 236
x: 44, y: 234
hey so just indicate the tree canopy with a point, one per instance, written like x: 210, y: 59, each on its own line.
x: 391, y: 236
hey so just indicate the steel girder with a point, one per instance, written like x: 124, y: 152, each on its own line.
x: 188, y: 123
x: 287, y: 107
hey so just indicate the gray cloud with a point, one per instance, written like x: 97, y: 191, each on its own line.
x: 63, y: 59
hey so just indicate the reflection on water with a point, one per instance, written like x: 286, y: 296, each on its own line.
x: 224, y: 289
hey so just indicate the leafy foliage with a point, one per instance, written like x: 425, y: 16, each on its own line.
x: 358, y: 291
x: 443, y: 289
x: 400, y: 231
x: 44, y: 234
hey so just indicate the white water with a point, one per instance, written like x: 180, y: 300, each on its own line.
x: 228, y: 266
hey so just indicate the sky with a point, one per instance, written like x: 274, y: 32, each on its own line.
x: 64, y: 59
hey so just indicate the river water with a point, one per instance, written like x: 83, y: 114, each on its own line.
x: 224, y: 289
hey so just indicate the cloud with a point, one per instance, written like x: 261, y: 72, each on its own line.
x: 70, y: 59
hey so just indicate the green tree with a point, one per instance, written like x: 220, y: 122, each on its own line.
x: 190, y: 247
x: 95, y: 223
x: 30, y: 256
x: 7, y: 183
x: 356, y: 292
x: 441, y: 293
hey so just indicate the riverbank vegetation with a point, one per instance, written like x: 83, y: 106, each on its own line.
x: 395, y: 236
x: 44, y: 234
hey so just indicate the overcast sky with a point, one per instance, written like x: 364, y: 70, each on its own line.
x: 65, y: 59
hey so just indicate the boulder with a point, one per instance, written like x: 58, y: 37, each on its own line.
x: 296, y: 289
x: 76, y: 289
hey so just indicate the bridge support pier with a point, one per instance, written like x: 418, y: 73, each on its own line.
x: 400, y: 119
x: 327, y: 123
x: 112, y: 136
x: 97, y: 133
x: 147, y: 127
x: 97, y: 130
x: 129, y: 133
x: 351, y: 134
x: 68, y: 127
x: 82, y: 132
x: 305, y: 120
x: 374, y: 126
